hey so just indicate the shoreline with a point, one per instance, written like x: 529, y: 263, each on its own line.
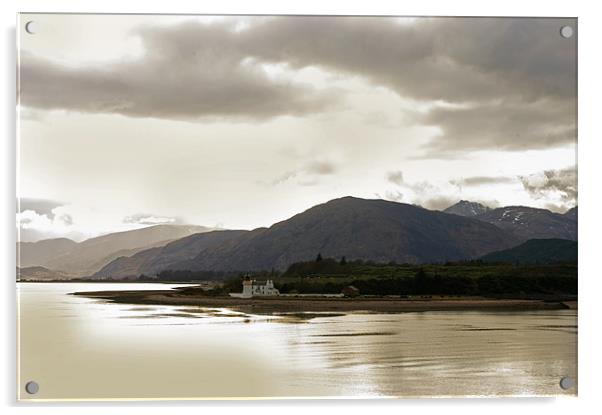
x: 85, y: 281
x: 321, y: 304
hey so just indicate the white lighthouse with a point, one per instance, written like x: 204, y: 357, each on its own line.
x: 247, y: 287
x: 253, y: 288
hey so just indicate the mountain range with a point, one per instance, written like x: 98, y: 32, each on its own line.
x: 154, y: 260
x: 522, y: 221
x: 375, y: 230
x: 38, y: 253
x: 531, y: 223
x: 84, y: 258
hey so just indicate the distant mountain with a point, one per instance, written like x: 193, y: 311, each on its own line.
x: 537, y: 251
x: 376, y: 230
x: 84, y: 258
x: 571, y: 213
x: 154, y: 260
x: 531, y: 223
x: 468, y: 209
x: 37, y: 253
x: 40, y: 274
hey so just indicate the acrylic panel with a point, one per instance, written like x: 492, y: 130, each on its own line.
x: 214, y: 207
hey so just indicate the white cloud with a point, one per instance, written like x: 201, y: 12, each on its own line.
x: 75, y: 222
x: 146, y: 219
x: 558, y: 188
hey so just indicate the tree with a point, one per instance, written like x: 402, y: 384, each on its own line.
x: 319, y: 257
x: 421, y: 282
x: 343, y: 261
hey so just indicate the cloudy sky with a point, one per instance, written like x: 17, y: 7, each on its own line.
x: 239, y: 122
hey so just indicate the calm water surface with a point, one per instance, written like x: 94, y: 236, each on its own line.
x: 80, y: 348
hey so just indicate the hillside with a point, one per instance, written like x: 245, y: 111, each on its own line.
x: 537, y: 251
x: 152, y: 261
x: 375, y: 230
x: 84, y: 258
x: 40, y: 274
x: 531, y: 223
x: 572, y: 213
x: 37, y: 253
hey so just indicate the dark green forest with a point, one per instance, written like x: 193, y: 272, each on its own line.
x: 467, y: 278
x: 454, y: 278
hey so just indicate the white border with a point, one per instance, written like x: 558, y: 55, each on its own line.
x: 590, y: 137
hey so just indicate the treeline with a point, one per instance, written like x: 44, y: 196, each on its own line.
x: 330, y: 276
x: 425, y: 284
x: 332, y: 268
x: 452, y: 278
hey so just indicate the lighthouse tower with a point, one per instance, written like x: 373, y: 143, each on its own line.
x: 247, y: 287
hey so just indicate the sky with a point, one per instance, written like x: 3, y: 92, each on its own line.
x: 239, y: 122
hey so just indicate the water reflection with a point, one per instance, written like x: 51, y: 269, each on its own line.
x: 82, y: 348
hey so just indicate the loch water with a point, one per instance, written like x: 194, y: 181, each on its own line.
x: 81, y: 348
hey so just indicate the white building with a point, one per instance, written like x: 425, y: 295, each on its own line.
x: 253, y: 288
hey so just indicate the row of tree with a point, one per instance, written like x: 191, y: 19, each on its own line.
x: 426, y: 284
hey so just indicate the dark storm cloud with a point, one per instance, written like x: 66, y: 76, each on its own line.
x: 492, y: 83
x: 562, y: 182
x: 432, y: 59
x: 40, y: 206
x: 506, y: 84
x: 510, y: 125
x: 188, y: 71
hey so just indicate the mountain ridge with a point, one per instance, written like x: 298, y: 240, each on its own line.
x: 572, y: 213
x: 369, y: 229
x: 155, y: 259
x: 86, y: 257
x: 531, y: 223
